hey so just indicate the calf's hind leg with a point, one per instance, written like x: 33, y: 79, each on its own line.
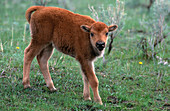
x: 42, y: 59
x: 30, y: 52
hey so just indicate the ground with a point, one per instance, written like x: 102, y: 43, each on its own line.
x: 124, y: 84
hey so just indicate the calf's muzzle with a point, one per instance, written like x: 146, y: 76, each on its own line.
x: 100, y: 45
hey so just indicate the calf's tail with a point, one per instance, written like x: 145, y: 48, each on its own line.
x: 30, y: 11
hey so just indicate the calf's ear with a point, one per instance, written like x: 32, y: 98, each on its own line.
x: 85, y: 28
x: 112, y: 27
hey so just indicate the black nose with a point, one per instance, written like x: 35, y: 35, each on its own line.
x: 100, y: 45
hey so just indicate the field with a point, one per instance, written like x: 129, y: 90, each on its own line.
x: 124, y: 84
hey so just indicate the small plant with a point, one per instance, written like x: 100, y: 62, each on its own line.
x: 66, y: 4
x: 140, y: 3
x: 110, y: 15
x: 156, y: 30
x: 40, y: 2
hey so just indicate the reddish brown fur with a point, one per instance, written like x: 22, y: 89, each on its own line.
x: 69, y: 33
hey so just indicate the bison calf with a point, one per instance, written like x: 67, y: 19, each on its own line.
x: 76, y: 35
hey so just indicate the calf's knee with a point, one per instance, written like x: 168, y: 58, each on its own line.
x: 94, y: 83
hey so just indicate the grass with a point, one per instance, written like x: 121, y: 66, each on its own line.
x: 124, y: 83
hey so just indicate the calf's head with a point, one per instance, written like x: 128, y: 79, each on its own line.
x: 98, y: 32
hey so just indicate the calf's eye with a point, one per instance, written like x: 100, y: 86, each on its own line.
x: 107, y: 34
x: 92, y: 34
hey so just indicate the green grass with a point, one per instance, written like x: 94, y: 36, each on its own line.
x: 124, y: 83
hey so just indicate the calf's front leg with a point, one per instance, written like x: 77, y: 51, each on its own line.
x: 86, y: 90
x: 90, y: 78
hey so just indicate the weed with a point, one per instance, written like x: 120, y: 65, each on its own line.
x: 156, y: 28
